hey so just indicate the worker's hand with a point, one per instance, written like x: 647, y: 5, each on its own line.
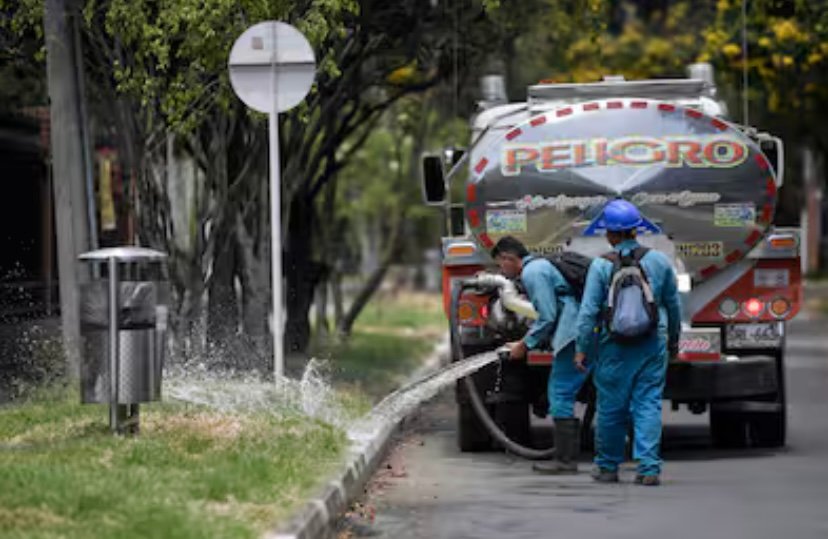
x: 517, y: 350
x: 580, y: 361
x: 673, y: 350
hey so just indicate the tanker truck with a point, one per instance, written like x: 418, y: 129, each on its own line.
x: 541, y: 171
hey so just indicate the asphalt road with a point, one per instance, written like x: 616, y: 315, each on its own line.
x: 428, y: 489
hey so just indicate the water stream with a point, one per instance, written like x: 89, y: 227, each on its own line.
x: 312, y: 395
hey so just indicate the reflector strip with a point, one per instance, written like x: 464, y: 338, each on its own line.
x: 761, y: 161
x: 709, y: 270
x: 486, y: 240
x: 513, y: 133
x: 474, y: 218
x: 563, y: 112
x: 666, y: 107
x: 540, y: 120
x: 771, y: 188
x: 539, y: 358
x: 481, y: 165
x: 471, y: 193
x: 753, y: 238
x: 638, y: 104
x: 700, y: 356
x: 767, y: 212
x: 733, y: 256
x: 591, y: 106
x: 718, y: 124
x: 615, y: 105
x: 693, y: 113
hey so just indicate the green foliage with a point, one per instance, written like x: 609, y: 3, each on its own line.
x: 189, y: 474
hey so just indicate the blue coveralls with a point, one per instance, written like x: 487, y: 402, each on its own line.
x: 629, y: 377
x: 555, y: 302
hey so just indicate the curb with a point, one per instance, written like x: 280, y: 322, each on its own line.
x: 317, y: 518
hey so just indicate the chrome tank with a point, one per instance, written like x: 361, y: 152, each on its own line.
x: 698, y: 180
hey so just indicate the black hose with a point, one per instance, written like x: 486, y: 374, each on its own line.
x: 477, y: 403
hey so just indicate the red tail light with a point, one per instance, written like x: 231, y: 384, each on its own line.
x: 753, y: 307
x: 484, y: 311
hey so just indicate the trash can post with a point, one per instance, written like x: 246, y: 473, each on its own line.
x: 114, y: 327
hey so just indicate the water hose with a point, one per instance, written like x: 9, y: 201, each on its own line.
x: 476, y: 401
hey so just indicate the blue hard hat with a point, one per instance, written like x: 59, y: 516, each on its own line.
x: 620, y: 215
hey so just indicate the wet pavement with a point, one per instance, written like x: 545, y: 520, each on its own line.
x: 428, y: 489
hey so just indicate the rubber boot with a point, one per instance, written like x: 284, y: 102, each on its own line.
x: 567, y: 447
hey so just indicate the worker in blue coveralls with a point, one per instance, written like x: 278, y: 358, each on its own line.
x: 557, y: 306
x: 629, y: 377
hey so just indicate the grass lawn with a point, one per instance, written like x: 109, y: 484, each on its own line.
x: 191, y: 472
x: 196, y: 472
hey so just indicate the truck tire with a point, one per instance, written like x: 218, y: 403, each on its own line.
x: 513, y: 420
x: 728, y: 429
x: 769, y: 429
x: 472, y: 436
x: 511, y: 405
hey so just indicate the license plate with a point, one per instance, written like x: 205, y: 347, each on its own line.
x: 759, y: 335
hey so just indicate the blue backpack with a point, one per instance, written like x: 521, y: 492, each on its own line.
x: 631, y: 314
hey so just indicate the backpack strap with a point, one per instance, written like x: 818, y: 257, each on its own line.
x: 639, y: 252
x: 614, y: 258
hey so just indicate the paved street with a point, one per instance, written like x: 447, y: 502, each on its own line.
x: 430, y: 490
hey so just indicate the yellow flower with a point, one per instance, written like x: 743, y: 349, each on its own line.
x: 722, y: 5
x: 787, y: 61
x: 732, y: 49
x: 786, y: 30
x: 814, y: 58
x: 765, y: 42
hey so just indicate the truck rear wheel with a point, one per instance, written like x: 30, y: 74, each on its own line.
x: 768, y: 429
x: 728, y: 429
x: 513, y: 420
x: 472, y: 436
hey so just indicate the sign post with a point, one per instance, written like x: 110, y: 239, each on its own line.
x: 272, y: 67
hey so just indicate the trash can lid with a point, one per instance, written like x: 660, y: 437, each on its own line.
x: 124, y: 254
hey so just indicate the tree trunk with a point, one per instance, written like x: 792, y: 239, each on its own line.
x: 300, y: 274
x: 222, y: 315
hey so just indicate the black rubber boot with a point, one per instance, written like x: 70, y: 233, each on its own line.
x: 567, y: 447
x: 602, y: 475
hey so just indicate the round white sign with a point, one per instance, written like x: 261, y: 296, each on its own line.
x: 272, y: 65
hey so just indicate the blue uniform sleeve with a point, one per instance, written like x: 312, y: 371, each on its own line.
x: 672, y: 302
x: 541, y: 290
x: 592, y: 303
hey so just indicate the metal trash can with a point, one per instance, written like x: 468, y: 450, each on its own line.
x: 123, y: 349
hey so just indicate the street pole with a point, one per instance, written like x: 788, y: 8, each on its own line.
x: 272, y: 67
x: 276, y: 245
x: 67, y: 163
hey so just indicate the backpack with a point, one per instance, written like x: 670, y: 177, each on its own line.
x: 574, y: 267
x: 632, y: 313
